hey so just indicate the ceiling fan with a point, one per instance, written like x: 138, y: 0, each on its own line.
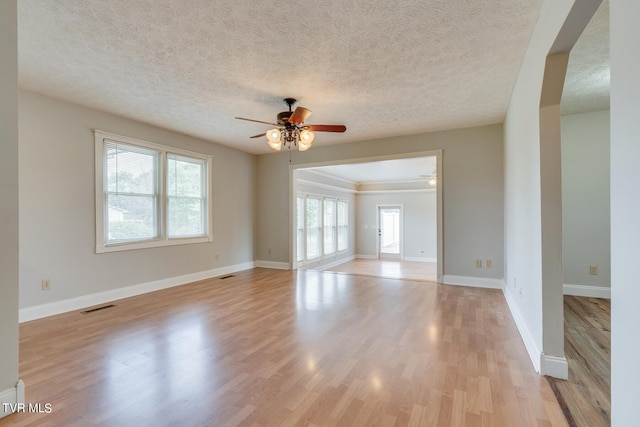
x: 290, y: 130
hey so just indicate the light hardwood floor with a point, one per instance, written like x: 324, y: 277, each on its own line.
x: 586, y: 396
x: 270, y: 347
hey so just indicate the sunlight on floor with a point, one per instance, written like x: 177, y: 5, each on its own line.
x: 408, y: 270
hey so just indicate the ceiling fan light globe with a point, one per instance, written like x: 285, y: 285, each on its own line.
x: 303, y: 145
x: 274, y: 139
x: 307, y: 136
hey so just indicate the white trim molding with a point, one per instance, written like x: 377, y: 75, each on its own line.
x: 420, y: 259
x: 411, y: 190
x: 327, y: 263
x: 273, y: 264
x: 44, y: 310
x: 587, y: 291
x: 325, y: 186
x: 476, y: 282
x: 365, y: 256
x: 554, y: 366
x: 535, y: 354
x: 13, y: 396
x: 544, y: 364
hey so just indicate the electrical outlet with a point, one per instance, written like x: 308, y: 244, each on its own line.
x: 593, y: 270
x: 269, y: 251
x: 46, y: 284
x: 217, y: 257
x: 478, y: 263
x: 487, y: 263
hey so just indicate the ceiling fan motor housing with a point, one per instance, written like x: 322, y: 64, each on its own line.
x: 283, y: 117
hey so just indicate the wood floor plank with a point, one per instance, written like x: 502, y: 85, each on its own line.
x: 269, y: 347
x: 586, y: 396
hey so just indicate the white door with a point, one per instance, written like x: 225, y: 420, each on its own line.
x: 389, y: 232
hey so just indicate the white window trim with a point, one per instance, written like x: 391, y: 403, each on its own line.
x: 163, y: 239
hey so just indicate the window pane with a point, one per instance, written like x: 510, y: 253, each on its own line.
x: 185, y: 176
x: 329, y: 226
x: 186, y: 217
x: 313, y: 212
x: 131, y: 183
x: 130, y: 169
x: 343, y: 230
x: 186, y: 191
x: 300, y: 228
x: 130, y: 218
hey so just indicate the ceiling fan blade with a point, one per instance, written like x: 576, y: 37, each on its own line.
x: 258, y: 121
x: 327, y: 128
x: 258, y: 135
x: 299, y: 115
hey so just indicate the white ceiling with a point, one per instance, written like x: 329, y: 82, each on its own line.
x: 380, y: 68
x: 416, y: 168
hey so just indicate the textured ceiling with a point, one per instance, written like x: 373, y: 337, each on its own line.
x: 380, y: 68
x: 586, y: 86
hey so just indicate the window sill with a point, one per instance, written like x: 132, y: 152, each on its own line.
x: 126, y: 246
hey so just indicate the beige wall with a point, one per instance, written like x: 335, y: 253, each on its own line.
x: 57, y: 206
x: 419, y: 219
x: 585, y: 199
x: 472, y: 192
x: 9, y: 205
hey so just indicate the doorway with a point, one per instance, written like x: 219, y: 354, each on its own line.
x: 366, y: 183
x: 390, y: 232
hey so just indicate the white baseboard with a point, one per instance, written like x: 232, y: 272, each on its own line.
x: 331, y: 263
x: 420, y: 259
x: 587, y: 291
x: 532, y: 349
x: 273, y: 264
x: 44, y: 310
x: 544, y: 364
x: 11, y: 395
x: 553, y: 366
x: 365, y: 256
x: 476, y: 282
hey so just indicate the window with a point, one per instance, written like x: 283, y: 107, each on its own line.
x: 329, y: 226
x: 322, y: 228
x: 186, y: 196
x: 149, y: 195
x: 131, y: 193
x: 300, y: 228
x: 314, y: 226
x: 343, y: 225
